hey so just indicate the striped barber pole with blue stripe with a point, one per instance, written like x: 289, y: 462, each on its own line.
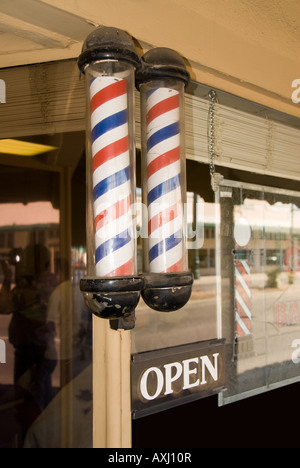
x: 115, y: 247
x: 165, y: 210
x: 243, y: 302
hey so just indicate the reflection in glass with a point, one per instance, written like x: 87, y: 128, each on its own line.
x: 260, y: 242
x: 45, y: 381
x: 28, y: 279
x: 197, y: 320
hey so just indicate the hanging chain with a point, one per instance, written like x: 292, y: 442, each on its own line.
x: 211, y: 130
x: 216, y: 178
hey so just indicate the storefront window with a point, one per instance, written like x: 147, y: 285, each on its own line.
x: 46, y: 395
x: 259, y: 264
x: 45, y: 327
x: 197, y: 320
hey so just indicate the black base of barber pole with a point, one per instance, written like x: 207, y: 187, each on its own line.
x: 167, y: 292
x: 112, y: 298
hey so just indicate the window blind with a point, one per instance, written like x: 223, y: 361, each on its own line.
x: 50, y: 98
x: 243, y: 141
x: 42, y: 99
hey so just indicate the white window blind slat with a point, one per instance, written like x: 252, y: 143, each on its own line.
x: 45, y: 98
x: 50, y: 98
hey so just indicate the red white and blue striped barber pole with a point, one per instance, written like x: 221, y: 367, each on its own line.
x: 114, y: 226
x: 112, y: 287
x: 164, y: 200
x: 112, y: 68
x: 242, y: 292
x: 161, y: 81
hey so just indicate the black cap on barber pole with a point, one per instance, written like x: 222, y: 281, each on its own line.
x: 108, y: 43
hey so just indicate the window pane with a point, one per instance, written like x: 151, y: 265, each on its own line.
x: 197, y: 320
x: 45, y: 327
x: 260, y: 287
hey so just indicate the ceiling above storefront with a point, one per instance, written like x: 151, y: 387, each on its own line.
x: 245, y: 48
x: 33, y: 31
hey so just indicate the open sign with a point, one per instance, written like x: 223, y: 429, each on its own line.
x: 164, y: 378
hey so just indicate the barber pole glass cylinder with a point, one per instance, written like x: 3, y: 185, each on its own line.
x: 161, y: 86
x: 164, y: 185
x: 112, y: 169
x: 242, y: 255
x: 112, y: 287
x: 242, y: 292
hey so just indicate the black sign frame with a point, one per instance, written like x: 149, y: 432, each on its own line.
x: 190, y: 362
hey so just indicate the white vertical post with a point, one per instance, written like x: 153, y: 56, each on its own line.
x: 2, y: 91
x: 111, y: 386
x: 2, y: 352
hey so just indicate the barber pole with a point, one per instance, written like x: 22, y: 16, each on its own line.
x: 164, y: 199
x: 114, y: 243
x: 242, y: 299
x: 161, y: 81
x: 111, y: 287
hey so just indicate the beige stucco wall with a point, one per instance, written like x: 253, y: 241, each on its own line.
x: 246, y: 47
